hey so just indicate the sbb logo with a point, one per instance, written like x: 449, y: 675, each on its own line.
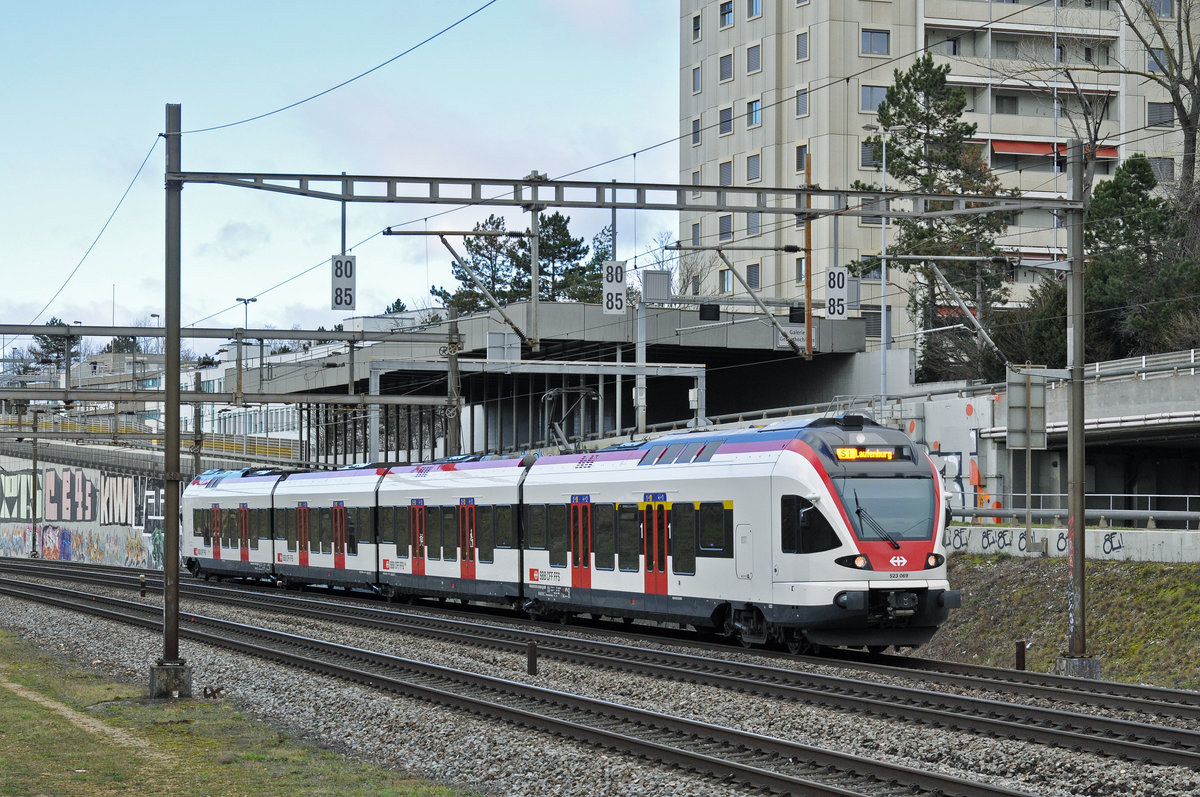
x: 533, y: 574
x: 898, y: 561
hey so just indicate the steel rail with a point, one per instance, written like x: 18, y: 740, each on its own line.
x: 661, y: 737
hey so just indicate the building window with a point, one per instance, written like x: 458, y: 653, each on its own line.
x: 1163, y: 8
x: 801, y: 102
x: 725, y: 227
x: 725, y: 13
x: 695, y: 286
x: 801, y: 157
x: 1006, y: 48
x: 1164, y: 169
x: 754, y: 276
x: 726, y: 281
x: 950, y: 47
x: 753, y: 59
x: 871, y: 206
x: 726, y: 173
x: 753, y: 168
x: 695, y: 132
x: 1156, y: 60
x: 866, y: 157
x: 753, y: 9
x: 1160, y: 114
x: 1059, y: 54
x: 800, y: 270
x: 871, y: 317
x: 726, y: 67
x: 872, y: 96
x: 726, y: 126
x: 753, y: 223
x: 754, y: 113
x: 1006, y: 103
x: 876, y: 42
x: 802, y: 46
x: 696, y: 28
x: 696, y: 234
x: 696, y: 181
x: 1088, y: 54
x: 696, y: 81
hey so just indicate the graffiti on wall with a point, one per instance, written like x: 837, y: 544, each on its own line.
x: 84, y: 516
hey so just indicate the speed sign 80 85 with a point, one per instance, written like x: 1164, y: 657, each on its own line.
x: 613, y: 298
x: 344, y: 276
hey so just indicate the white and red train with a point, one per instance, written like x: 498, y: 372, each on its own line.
x: 811, y: 533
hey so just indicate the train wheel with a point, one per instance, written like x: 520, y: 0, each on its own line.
x: 797, y: 644
x: 875, y: 650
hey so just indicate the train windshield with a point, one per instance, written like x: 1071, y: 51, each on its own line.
x: 888, y: 509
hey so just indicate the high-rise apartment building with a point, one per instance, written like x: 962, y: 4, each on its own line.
x: 777, y: 93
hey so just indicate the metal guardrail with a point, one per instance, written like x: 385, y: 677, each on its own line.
x: 1150, y: 519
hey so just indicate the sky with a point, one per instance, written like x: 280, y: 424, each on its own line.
x: 554, y: 86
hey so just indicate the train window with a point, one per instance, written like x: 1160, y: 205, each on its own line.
x: 290, y: 518
x: 535, y: 525
x: 358, y: 527
x: 229, y: 528
x: 683, y: 538
x: 707, y: 452
x: 604, y: 535
x: 803, y: 529
x: 256, y: 527
x: 903, y: 508
x: 403, y: 527
x: 387, y: 524
x: 504, y: 526
x: 450, y: 533
x: 485, y: 533
x: 200, y: 524
x: 325, y: 524
x: 433, y: 532
x: 652, y: 455
x: 558, y: 535
x: 629, y: 537
x: 716, y: 529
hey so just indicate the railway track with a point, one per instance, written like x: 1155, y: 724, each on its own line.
x: 1138, y: 741
x: 754, y: 760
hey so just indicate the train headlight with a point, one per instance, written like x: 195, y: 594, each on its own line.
x: 934, y: 560
x: 857, y: 562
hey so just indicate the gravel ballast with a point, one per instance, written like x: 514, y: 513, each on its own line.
x: 477, y: 755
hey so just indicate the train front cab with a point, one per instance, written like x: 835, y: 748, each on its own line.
x: 859, y: 561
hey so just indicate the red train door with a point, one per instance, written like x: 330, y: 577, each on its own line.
x: 214, y: 524
x: 243, y: 518
x: 581, y: 541
x: 339, y: 535
x: 466, y: 536
x: 416, y: 516
x: 654, y: 543
x: 302, y: 528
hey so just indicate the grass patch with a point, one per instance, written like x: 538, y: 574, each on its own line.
x: 1142, y: 618
x: 191, y: 746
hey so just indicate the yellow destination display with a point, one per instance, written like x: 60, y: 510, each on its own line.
x: 848, y: 452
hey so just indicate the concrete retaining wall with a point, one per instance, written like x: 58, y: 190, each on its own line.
x: 1120, y: 545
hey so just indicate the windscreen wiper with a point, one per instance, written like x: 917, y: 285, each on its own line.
x: 874, y: 524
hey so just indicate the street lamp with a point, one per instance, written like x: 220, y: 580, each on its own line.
x: 883, y: 278
x: 246, y: 308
